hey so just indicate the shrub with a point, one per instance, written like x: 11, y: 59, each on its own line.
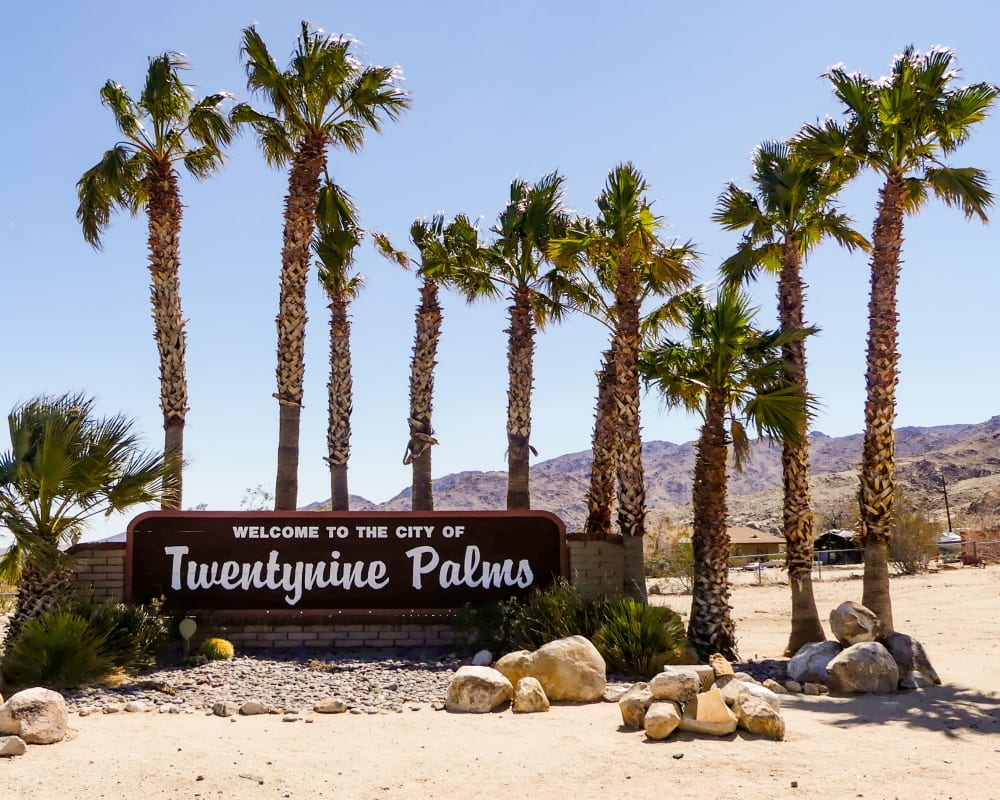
x: 639, y: 639
x: 132, y: 632
x: 59, y: 649
x: 545, y: 614
x: 914, y: 539
x: 217, y: 649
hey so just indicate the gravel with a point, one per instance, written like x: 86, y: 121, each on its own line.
x: 285, y: 681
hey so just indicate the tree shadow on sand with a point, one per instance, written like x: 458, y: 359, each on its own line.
x: 948, y: 710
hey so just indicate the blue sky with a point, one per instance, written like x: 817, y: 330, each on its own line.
x: 684, y: 90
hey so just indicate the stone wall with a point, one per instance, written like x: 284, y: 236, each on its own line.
x: 100, y: 569
x: 596, y: 564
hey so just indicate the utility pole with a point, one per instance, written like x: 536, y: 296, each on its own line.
x: 947, y: 510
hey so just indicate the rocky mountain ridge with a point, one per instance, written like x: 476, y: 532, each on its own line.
x: 966, y: 456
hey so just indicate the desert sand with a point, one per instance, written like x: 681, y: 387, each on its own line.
x: 938, y: 743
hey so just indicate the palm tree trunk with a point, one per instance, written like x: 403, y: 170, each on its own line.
x: 164, y: 211
x: 425, y: 344
x: 40, y: 589
x: 878, y: 457
x: 300, y: 221
x: 520, y: 355
x: 797, y: 508
x: 710, y: 628
x: 631, y: 486
x: 601, y: 494
x: 339, y: 402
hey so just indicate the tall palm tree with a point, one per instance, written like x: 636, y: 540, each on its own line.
x: 337, y: 237
x: 450, y: 254
x: 534, y: 216
x: 732, y: 375
x: 65, y: 466
x: 164, y: 128
x: 900, y: 127
x: 325, y: 98
x: 625, y: 247
x: 791, y: 211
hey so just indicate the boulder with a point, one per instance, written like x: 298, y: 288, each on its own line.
x: 735, y: 689
x: 39, y: 716
x: 814, y: 689
x: 253, y: 708
x: 703, y: 671
x: 774, y: 686
x: 12, y: 746
x: 746, y: 677
x: 514, y: 666
x: 864, y: 667
x: 793, y: 687
x: 482, y: 659
x: 852, y: 623
x: 708, y: 714
x: 529, y: 697
x: 478, y: 690
x: 808, y: 665
x: 570, y: 669
x: 225, y: 708
x: 758, y: 717
x: 330, y: 705
x: 915, y: 670
x: 634, y: 704
x: 675, y: 683
x: 662, y: 719
x: 720, y: 666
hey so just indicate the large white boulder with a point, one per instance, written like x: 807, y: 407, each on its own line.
x: 808, y: 665
x: 864, y: 667
x: 733, y: 689
x: 39, y: 716
x: 852, y: 622
x: 570, y: 669
x: 478, y: 690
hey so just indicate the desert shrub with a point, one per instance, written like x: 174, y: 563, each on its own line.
x: 133, y: 633
x: 59, y: 649
x: 914, y: 539
x: 639, y: 639
x: 672, y: 557
x: 557, y: 611
x: 216, y: 649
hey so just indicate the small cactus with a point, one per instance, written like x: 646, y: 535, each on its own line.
x: 217, y: 649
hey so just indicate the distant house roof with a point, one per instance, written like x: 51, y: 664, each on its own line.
x: 742, y: 535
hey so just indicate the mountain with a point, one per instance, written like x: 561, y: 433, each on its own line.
x: 967, y: 456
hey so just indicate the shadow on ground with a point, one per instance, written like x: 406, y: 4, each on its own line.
x: 948, y: 710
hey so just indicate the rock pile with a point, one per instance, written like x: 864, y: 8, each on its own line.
x: 863, y: 659
x: 678, y: 699
x: 32, y: 716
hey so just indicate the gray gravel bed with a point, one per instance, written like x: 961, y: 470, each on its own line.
x: 376, y: 682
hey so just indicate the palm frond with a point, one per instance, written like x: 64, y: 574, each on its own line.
x: 965, y: 187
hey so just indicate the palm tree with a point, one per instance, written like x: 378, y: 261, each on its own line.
x: 325, y: 98
x: 337, y: 237
x: 534, y: 216
x: 733, y: 376
x: 899, y: 127
x: 65, y: 466
x: 450, y: 254
x: 164, y: 128
x: 793, y: 210
x: 624, y: 247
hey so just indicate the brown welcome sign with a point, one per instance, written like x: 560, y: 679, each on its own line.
x: 264, y: 561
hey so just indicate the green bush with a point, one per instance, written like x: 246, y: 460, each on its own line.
x: 59, y: 649
x: 217, y: 649
x: 639, y: 639
x: 132, y: 632
x: 545, y: 614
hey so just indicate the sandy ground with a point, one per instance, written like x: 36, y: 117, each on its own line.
x: 939, y: 743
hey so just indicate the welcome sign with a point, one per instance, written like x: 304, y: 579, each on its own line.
x: 262, y: 561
